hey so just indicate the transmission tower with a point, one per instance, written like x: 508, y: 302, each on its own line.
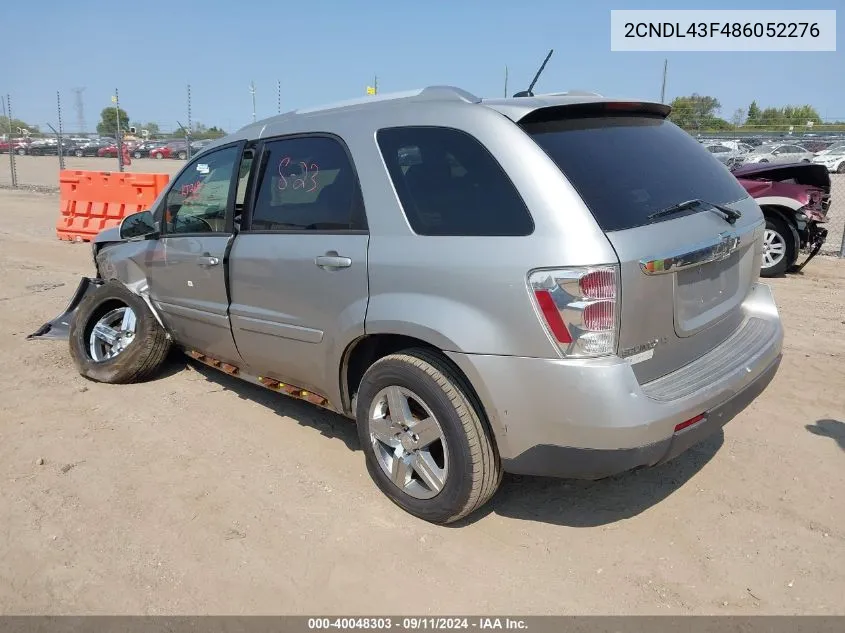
x: 79, y: 106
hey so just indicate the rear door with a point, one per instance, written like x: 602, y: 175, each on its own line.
x: 188, y: 275
x: 684, y: 275
x: 298, y: 270
x: 786, y: 154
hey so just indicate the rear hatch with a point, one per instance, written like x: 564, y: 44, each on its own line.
x: 684, y: 273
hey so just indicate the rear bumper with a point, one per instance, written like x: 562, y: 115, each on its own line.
x: 592, y: 419
x: 586, y: 463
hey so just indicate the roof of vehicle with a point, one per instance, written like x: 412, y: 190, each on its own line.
x: 515, y: 108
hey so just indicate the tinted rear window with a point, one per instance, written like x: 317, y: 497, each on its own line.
x: 628, y: 167
x: 449, y: 184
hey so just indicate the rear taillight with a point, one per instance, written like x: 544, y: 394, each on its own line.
x: 579, y: 308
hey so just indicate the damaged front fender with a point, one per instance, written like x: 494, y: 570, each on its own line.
x: 59, y: 328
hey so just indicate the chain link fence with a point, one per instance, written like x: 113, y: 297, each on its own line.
x: 835, y: 244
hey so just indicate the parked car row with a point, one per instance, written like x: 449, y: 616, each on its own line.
x: 735, y: 153
x: 104, y: 147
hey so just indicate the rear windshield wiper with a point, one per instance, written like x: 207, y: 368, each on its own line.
x: 729, y: 214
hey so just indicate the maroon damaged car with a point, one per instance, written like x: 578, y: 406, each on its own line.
x: 795, y: 199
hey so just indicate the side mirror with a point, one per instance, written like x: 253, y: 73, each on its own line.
x: 139, y: 225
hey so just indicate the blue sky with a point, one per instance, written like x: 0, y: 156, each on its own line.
x: 330, y: 50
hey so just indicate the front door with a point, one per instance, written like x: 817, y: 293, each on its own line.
x: 299, y: 269
x: 188, y: 276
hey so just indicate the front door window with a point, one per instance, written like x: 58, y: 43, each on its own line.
x: 198, y: 200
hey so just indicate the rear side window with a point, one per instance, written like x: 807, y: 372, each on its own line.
x: 627, y: 167
x: 307, y: 184
x: 449, y: 184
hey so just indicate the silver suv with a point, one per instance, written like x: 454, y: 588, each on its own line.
x: 560, y: 285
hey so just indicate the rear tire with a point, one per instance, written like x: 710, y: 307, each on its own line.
x: 183, y: 156
x: 137, y: 154
x: 462, y: 461
x: 779, y: 248
x: 141, y: 346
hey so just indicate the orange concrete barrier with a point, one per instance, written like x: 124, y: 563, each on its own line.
x: 90, y: 201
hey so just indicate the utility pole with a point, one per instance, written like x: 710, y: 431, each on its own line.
x: 79, y: 106
x: 279, y: 97
x: 375, y: 84
x: 506, y: 81
x: 663, y: 88
x: 117, y: 123
x: 252, y: 90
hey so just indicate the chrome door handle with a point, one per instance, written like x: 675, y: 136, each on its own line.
x: 332, y: 261
x: 207, y: 260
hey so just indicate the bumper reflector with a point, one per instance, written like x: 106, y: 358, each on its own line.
x: 690, y: 422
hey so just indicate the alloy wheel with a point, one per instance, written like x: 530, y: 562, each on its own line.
x: 408, y: 442
x: 112, y: 334
x: 774, y: 248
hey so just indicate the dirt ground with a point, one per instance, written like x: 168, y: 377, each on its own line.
x: 195, y: 493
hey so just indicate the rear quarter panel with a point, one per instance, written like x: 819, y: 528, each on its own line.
x: 469, y: 294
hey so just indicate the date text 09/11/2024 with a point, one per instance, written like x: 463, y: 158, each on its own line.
x: 416, y: 623
x: 725, y: 29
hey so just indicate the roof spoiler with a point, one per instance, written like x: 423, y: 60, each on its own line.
x: 595, y: 108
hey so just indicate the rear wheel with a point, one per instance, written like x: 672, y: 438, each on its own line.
x: 137, y: 154
x: 426, y: 445
x: 182, y: 156
x: 79, y: 153
x: 115, y: 338
x: 779, y: 248
x: 158, y: 156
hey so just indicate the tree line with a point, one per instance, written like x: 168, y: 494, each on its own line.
x: 700, y: 113
x: 108, y: 126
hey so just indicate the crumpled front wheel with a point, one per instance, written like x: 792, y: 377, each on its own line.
x: 115, y: 338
